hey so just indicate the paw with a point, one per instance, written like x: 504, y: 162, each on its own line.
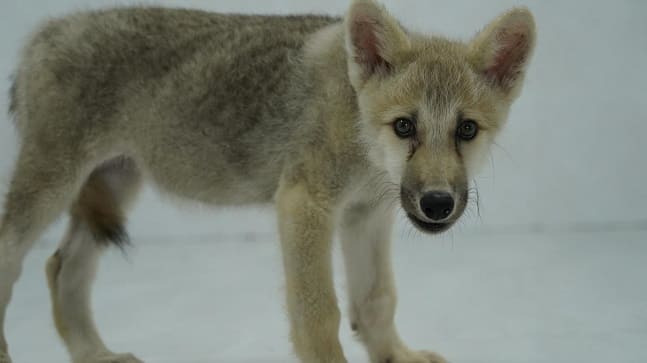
x: 407, y: 356
x: 110, y: 358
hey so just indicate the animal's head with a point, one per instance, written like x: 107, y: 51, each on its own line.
x: 431, y: 107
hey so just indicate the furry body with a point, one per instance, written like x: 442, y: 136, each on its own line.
x: 233, y: 110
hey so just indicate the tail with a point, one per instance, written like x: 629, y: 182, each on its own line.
x: 13, y: 101
x: 14, y: 114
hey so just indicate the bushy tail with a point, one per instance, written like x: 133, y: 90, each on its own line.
x: 12, y: 96
x: 14, y: 115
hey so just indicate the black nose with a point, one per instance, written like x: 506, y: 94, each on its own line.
x: 437, y: 205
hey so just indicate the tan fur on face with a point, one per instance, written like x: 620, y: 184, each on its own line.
x: 439, y: 83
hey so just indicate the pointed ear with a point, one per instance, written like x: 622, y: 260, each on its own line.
x: 501, y: 51
x: 373, y: 39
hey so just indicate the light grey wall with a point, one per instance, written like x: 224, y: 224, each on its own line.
x: 573, y: 154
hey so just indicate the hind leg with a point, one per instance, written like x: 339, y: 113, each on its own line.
x: 96, y: 221
x: 43, y: 185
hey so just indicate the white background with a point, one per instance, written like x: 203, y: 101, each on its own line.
x: 567, y: 182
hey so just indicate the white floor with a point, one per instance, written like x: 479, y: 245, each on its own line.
x: 500, y: 297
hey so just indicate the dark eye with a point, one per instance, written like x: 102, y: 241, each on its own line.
x: 467, y: 130
x: 404, y: 128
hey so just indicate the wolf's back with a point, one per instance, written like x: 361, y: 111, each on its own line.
x: 93, y: 63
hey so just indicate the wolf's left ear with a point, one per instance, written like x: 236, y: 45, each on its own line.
x: 501, y: 51
x: 373, y: 40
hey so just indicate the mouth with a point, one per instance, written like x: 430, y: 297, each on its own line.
x: 428, y: 227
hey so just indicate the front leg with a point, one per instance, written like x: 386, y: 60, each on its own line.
x: 366, y: 235
x: 306, y: 238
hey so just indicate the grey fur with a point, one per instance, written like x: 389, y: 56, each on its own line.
x: 12, y: 95
x: 229, y: 82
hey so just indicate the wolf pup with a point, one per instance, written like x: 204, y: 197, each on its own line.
x: 334, y: 120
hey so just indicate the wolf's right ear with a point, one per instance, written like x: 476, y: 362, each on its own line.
x: 373, y: 38
x: 502, y: 51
